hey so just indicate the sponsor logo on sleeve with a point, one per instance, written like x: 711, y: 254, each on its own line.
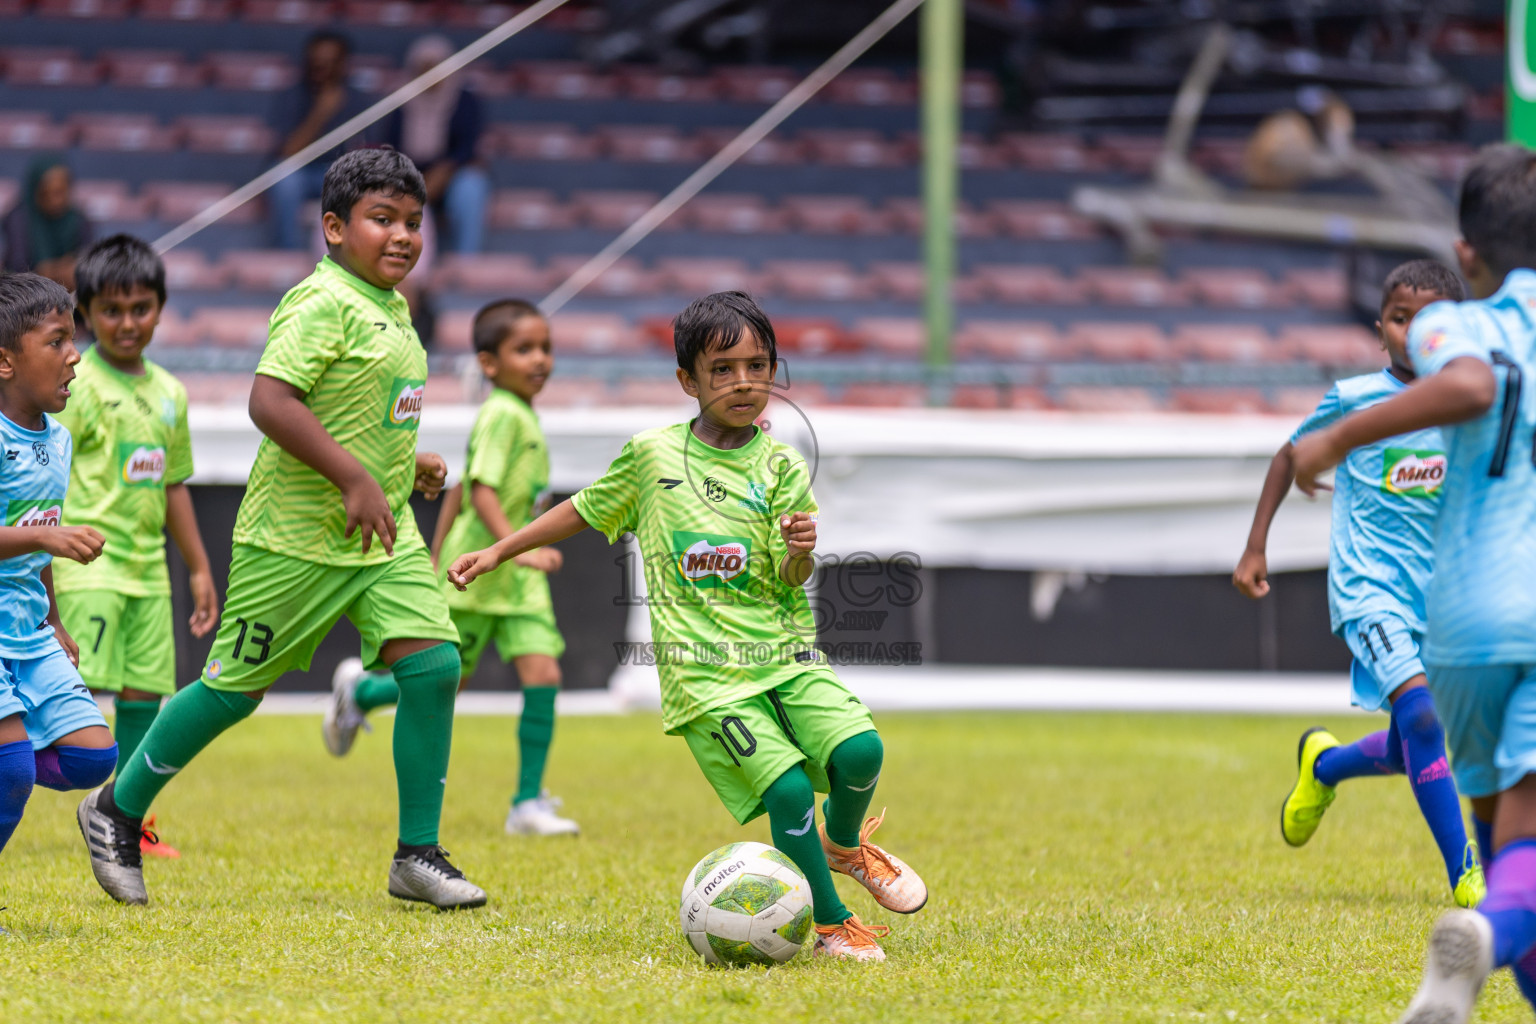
x: 709, y: 560
x: 1414, y: 474
x: 405, y: 400
x: 140, y: 464
x: 34, y: 511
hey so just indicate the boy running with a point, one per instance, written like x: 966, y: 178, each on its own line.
x: 507, y: 483
x: 51, y: 732
x: 1475, y: 361
x: 133, y: 455
x: 1379, y: 569
x: 726, y: 524
x: 325, y: 530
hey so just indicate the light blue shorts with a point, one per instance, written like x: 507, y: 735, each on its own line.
x: 1489, y: 714
x: 1386, y: 656
x: 49, y: 695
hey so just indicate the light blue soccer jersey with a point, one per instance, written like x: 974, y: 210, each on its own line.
x: 1482, y: 603
x: 34, y: 475
x: 1386, y: 497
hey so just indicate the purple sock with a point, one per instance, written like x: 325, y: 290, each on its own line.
x: 1510, y: 905
x: 49, y: 774
x: 16, y: 776
x: 1373, y: 755
x: 67, y: 768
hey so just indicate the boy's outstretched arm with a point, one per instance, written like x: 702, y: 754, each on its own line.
x: 487, y: 505
x: 1252, y: 573
x: 453, y: 500
x: 558, y: 523
x: 1463, y: 390
x: 278, y: 410
x: 181, y: 524
x: 79, y: 543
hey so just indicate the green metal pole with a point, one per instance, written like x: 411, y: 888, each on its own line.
x: 940, y: 49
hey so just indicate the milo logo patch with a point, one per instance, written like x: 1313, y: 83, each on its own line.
x: 405, y: 402
x: 1412, y: 473
x: 711, y: 561
x: 34, y: 511
x: 140, y: 465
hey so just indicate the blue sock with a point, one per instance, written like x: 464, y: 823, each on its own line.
x: 1484, y: 832
x: 1375, y: 754
x: 66, y: 768
x: 17, y: 772
x: 1429, y: 775
x: 1510, y: 905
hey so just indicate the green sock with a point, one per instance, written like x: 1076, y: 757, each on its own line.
x: 853, y: 769
x: 791, y: 807
x: 375, y: 690
x: 133, y: 719
x: 429, y: 681
x: 534, y: 731
x: 186, y: 724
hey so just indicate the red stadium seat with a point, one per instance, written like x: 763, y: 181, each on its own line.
x: 884, y: 396
x: 126, y: 133
x: 906, y: 214
x: 274, y: 270
x: 1220, y: 156
x: 1109, y: 400
x: 663, y: 391
x: 227, y: 389
x: 650, y: 144
x: 871, y: 87
x: 374, y: 73
x: 999, y: 396
x: 286, y: 12
x: 452, y: 333
x: 774, y: 150
x: 763, y: 85
x: 26, y: 129
x: 231, y: 326
x: 613, y: 211
x: 1057, y: 153
x: 178, y: 200
x: 48, y: 65
x: 388, y: 13
x: 625, y: 278
x: 835, y: 215
x: 1133, y: 286
x: 487, y: 81
x: 152, y: 69
x: 1297, y: 401
x: 1235, y: 287
x: 544, y: 142
x: 110, y: 201
x: 220, y: 134
x: 799, y: 392
x: 1446, y: 161
x: 853, y: 147
x: 173, y: 329
x: 1332, y: 345
x: 1008, y: 341
x: 1038, y: 219
x: 92, y: 10
x: 1227, y: 343
x: 902, y: 281
x: 252, y: 72
x: 1134, y: 154
x: 596, y: 333
x: 1119, y: 342
x: 733, y: 213
x: 1226, y: 401
x: 563, y: 80
x: 831, y: 280
x: 190, y: 270
x: 1006, y: 282
x: 492, y: 274
x: 530, y: 209
x: 1320, y: 289
x: 186, y: 10
x: 900, y: 337
x: 651, y: 85
x: 706, y: 276
x: 810, y: 337
x: 562, y: 392
x: 979, y: 90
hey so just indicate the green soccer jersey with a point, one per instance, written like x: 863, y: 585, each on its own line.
x: 506, y: 452
x: 351, y: 349
x: 131, y: 443
x: 724, y: 626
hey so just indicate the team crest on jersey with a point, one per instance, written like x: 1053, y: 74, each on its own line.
x: 34, y: 511
x: 214, y: 670
x: 756, y: 499
x: 1415, y: 474
x: 405, y: 400
x: 168, y: 412
x: 710, y: 560
x: 140, y: 464
x: 1434, y: 341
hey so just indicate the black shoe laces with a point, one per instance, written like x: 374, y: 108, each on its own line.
x: 438, y: 858
x: 125, y: 840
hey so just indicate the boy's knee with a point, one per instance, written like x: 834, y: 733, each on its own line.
x: 1415, y: 713
x: 790, y: 790
x: 435, y: 670
x: 858, y: 757
x: 67, y: 768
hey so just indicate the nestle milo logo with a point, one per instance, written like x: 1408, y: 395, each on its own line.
x: 1416, y: 474
x: 140, y: 464
x: 706, y: 560
x: 405, y: 401
x: 721, y: 876
x: 34, y: 511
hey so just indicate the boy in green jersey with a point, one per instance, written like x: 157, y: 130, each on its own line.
x: 726, y: 524
x: 507, y: 484
x: 133, y: 455
x: 325, y: 530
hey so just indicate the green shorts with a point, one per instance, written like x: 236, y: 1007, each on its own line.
x: 515, y: 635
x: 280, y: 608
x: 744, y: 747
x: 124, y: 641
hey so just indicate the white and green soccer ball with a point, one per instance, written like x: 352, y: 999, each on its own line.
x: 746, y: 903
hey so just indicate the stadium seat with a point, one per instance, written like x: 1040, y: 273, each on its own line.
x: 1333, y: 346
x: 733, y: 213
x: 542, y: 142
x: 650, y: 144
x: 1057, y: 153
x: 627, y: 277
x: 209, y: 11
x: 1118, y: 342
x: 173, y: 330
x: 125, y: 133
x: 1299, y: 401
x: 231, y: 389
x: 48, y: 65
x: 898, y: 337
x: 1321, y: 289
x: 999, y: 396
x: 650, y: 85
x: 491, y: 274
x: 452, y: 332
x: 872, y: 87
x: 906, y: 215
x: 979, y: 90
x: 110, y: 201
x: 9, y: 189
x: 1220, y: 156
x: 286, y: 12
x: 562, y: 392
x: 1227, y: 343
x: 1133, y: 154
x: 1041, y: 220
x: 176, y: 201
x: 530, y: 209
x: 191, y: 270
x: 1008, y: 341
x: 613, y: 211
x: 596, y: 333
x: 884, y: 396
x: 152, y: 69
x: 221, y: 134
x: 563, y: 80
x: 853, y: 147
x: 374, y: 73
x: 756, y: 84
x: 1234, y: 287
x: 902, y: 281
x: 252, y: 72
x: 92, y: 10
x: 974, y: 153
x: 835, y: 215
x: 1007, y: 282
x: 388, y: 13
x: 1109, y: 400
x: 810, y: 337
x: 1445, y: 161
x: 704, y: 276
x: 664, y: 391
x: 1227, y: 401
x: 1133, y: 286
x: 774, y: 150
x: 235, y: 327
x: 26, y: 129
x: 831, y: 280
x: 271, y: 270
x: 800, y: 392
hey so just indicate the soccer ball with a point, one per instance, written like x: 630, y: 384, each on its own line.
x: 746, y: 903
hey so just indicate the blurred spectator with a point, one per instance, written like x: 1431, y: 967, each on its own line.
x: 45, y: 231
x: 440, y: 130
x: 319, y: 103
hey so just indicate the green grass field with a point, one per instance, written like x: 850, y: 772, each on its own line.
x: 1082, y: 867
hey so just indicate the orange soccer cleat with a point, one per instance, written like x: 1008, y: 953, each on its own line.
x: 893, y: 884
x: 150, y: 844
x: 851, y: 940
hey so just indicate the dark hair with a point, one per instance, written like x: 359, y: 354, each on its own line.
x: 721, y: 320
x: 1423, y: 276
x: 116, y: 264
x: 355, y: 174
x: 1498, y: 207
x: 328, y: 35
x: 24, y: 300
x: 495, y: 321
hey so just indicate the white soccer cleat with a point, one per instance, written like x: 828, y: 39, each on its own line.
x: 537, y: 817
x: 427, y: 877
x: 1459, y: 960
x: 889, y: 879
x: 342, y: 716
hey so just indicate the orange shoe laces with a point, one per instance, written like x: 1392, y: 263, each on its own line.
x: 877, y: 863
x: 856, y: 933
